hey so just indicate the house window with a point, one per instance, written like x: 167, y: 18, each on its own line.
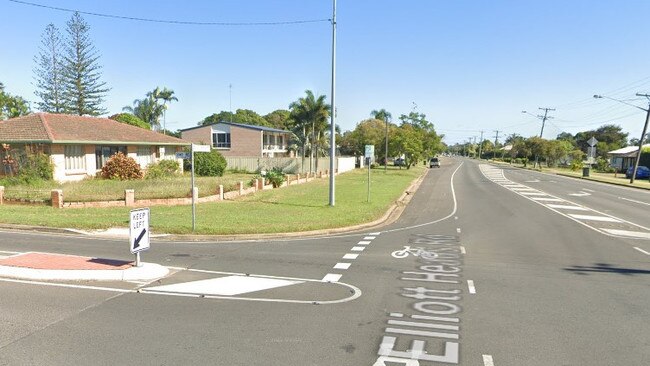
x: 221, y: 140
x: 103, y: 153
x: 144, y: 156
x: 74, y: 157
x: 281, y: 140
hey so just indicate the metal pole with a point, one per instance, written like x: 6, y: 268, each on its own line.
x: 137, y: 259
x: 333, y: 114
x: 368, y: 163
x: 638, y: 153
x: 192, y: 192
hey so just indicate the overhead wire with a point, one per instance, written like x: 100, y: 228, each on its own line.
x: 177, y: 22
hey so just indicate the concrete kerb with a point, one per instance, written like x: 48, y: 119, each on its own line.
x: 146, y: 272
x: 391, y: 215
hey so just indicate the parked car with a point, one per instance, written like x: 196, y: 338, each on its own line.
x: 642, y: 172
x: 399, y: 162
x: 434, y: 163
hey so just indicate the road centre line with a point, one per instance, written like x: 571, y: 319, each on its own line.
x: 350, y: 256
x: 635, y: 201
x: 369, y: 237
x: 358, y: 249
x: 375, y: 234
x: 364, y: 242
x: 341, y: 265
x: 487, y: 360
x: 588, y: 190
x: 470, y: 284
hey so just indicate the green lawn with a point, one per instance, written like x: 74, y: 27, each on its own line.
x: 290, y: 209
x: 108, y: 190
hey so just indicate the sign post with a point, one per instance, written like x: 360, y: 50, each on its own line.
x: 591, y: 151
x: 139, y: 232
x: 369, y: 155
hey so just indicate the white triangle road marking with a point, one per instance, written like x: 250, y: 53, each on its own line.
x: 224, y: 286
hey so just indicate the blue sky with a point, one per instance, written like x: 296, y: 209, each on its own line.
x: 468, y: 65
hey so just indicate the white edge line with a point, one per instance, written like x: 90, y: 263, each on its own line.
x: 99, y: 288
x: 635, y: 201
x: 642, y: 251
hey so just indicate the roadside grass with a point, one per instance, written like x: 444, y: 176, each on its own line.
x: 291, y: 209
x: 109, y: 190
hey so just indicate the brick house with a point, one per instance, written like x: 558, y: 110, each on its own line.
x: 236, y: 139
x: 79, y: 146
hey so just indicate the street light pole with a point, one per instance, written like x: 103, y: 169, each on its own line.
x: 645, y: 128
x: 333, y: 112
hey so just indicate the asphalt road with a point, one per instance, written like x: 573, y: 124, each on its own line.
x: 506, y: 267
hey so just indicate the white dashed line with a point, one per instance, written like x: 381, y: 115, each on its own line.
x: 628, y: 233
x: 342, y: 265
x: 377, y: 233
x: 458, y: 230
x: 332, y: 277
x: 358, y: 249
x: 364, y: 242
x: 567, y: 207
x: 588, y: 190
x: 544, y: 199
x: 470, y: 284
x: 350, y: 256
x: 635, y: 201
x: 642, y: 251
x: 487, y: 360
x: 594, y: 218
x: 462, y: 250
x: 369, y: 237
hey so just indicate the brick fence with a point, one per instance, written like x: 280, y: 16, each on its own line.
x: 58, y: 201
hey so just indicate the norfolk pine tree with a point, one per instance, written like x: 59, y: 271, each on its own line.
x: 49, y: 72
x: 83, y: 90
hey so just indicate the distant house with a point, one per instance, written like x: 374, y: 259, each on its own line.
x: 623, y: 158
x: 236, y: 139
x: 80, y: 146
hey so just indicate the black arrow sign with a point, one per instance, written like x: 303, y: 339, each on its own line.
x: 139, y: 238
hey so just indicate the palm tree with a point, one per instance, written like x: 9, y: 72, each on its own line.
x: 310, y: 114
x: 167, y: 96
x: 385, y: 116
x: 146, y: 109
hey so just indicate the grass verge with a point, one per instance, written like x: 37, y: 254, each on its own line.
x: 291, y: 209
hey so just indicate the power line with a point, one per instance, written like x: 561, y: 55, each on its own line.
x: 177, y: 22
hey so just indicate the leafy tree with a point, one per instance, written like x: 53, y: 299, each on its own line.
x: 566, y: 136
x: 244, y: 116
x: 610, y: 137
x: 49, y: 72
x: 130, y: 119
x: 279, y: 118
x: 556, y: 150
x: 83, y: 90
x: 309, y: 115
x: 12, y: 105
x: 407, y: 141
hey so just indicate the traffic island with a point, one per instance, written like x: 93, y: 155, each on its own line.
x: 61, y: 267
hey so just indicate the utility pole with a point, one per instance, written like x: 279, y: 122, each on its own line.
x: 496, y: 140
x: 333, y: 112
x: 480, y: 146
x: 544, y: 118
x: 645, y: 129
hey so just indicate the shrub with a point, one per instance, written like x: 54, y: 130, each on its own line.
x: 211, y: 164
x: 165, y: 168
x: 276, y: 177
x: 130, y: 119
x: 121, y: 167
x: 37, y: 166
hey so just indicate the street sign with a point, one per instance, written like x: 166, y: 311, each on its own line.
x: 201, y: 148
x: 592, y: 141
x: 370, y: 151
x: 183, y: 155
x: 139, y: 230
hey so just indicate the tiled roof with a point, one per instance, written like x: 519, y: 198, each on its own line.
x: 61, y: 128
x: 252, y: 127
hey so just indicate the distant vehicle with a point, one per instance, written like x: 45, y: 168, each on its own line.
x: 641, y: 172
x: 434, y: 163
x: 399, y: 162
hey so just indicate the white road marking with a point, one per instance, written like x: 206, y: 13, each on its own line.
x: 594, y: 218
x: 545, y: 199
x: 369, y: 237
x: 581, y: 194
x: 458, y: 230
x: 364, y: 242
x: 470, y: 284
x: 332, y: 277
x: 350, y: 256
x: 462, y: 250
x: 628, y: 233
x: 375, y: 234
x: 635, y: 201
x: 224, y: 286
x: 487, y: 360
x: 99, y: 288
x: 533, y: 193
x: 341, y: 265
x: 642, y: 251
x: 533, y: 181
x: 588, y: 190
x: 7, y: 252
x: 455, y: 217
x: 567, y: 207
x: 358, y: 249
